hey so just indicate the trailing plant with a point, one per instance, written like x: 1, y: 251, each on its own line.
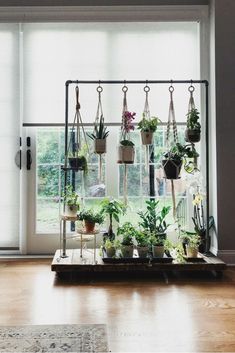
x: 82, y: 155
x: 176, y: 251
x: 100, y: 130
x: 148, y: 125
x: 113, y: 209
x: 153, y: 219
x: 71, y: 198
x: 193, y: 120
x: 90, y: 216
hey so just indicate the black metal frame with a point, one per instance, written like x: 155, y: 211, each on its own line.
x: 143, y: 82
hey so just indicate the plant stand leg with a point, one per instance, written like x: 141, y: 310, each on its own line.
x: 64, y: 239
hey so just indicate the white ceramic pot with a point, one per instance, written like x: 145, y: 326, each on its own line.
x: 71, y: 211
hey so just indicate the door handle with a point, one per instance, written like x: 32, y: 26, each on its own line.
x: 28, y: 154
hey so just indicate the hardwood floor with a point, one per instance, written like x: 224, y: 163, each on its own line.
x: 189, y: 313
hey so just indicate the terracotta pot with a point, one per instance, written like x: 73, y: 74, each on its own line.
x: 158, y: 251
x: 143, y: 251
x: 71, y: 211
x: 100, y: 146
x: 126, y: 154
x: 147, y: 138
x: 77, y: 163
x: 172, y: 168
x: 89, y: 226
x: 191, y: 252
x: 192, y: 135
x: 127, y: 250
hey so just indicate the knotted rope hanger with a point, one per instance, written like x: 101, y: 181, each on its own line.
x: 99, y: 120
x: 146, y: 114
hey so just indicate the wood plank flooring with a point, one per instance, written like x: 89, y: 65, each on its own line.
x: 186, y: 313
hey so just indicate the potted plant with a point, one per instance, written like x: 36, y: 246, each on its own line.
x: 143, y: 243
x: 126, y: 149
x: 128, y: 233
x: 192, y: 241
x: 99, y: 136
x: 158, y: 245
x: 110, y: 247
x: 71, y: 202
x: 113, y: 209
x: 147, y: 128
x: 78, y: 159
x: 153, y: 221
x: 193, y: 130
x: 90, y: 218
x: 173, y: 160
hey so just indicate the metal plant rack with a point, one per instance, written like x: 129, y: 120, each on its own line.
x: 66, y: 168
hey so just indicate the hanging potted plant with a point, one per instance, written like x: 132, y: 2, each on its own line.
x: 143, y: 243
x: 126, y: 149
x: 71, y: 202
x: 127, y: 233
x: 147, y: 128
x: 78, y: 159
x: 113, y: 209
x: 90, y: 218
x: 193, y: 130
x: 153, y: 221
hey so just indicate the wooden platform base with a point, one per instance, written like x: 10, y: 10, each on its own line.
x: 85, y: 264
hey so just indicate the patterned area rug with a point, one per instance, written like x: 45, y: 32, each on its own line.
x: 53, y: 338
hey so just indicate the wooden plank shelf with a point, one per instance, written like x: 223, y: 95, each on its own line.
x: 75, y: 263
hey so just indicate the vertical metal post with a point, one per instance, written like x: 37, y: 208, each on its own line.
x: 65, y: 162
x: 207, y: 167
x: 151, y: 173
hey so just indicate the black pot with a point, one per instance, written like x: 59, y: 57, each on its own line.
x: 203, y: 247
x: 172, y: 168
x: 77, y: 163
x: 192, y: 136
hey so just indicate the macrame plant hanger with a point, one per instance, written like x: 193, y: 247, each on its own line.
x: 98, y: 121
x: 124, y: 136
x: 146, y: 115
x: 191, y: 105
x: 172, y: 122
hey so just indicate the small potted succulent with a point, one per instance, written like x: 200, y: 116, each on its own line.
x: 147, y: 128
x: 127, y: 233
x: 193, y: 130
x: 143, y: 243
x: 126, y: 149
x: 192, y: 242
x: 113, y: 209
x: 173, y: 160
x: 71, y: 202
x: 90, y: 218
x: 99, y: 136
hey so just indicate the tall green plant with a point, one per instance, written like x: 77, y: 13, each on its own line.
x: 113, y: 209
x: 153, y: 219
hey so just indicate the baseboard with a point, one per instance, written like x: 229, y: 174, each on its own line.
x: 228, y: 256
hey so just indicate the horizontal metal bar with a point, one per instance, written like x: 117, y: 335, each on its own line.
x: 86, y: 124
x: 121, y: 82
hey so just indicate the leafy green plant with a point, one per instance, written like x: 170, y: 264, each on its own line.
x: 148, y: 125
x: 128, y: 233
x: 100, y: 130
x: 142, y: 238
x: 193, y: 120
x: 175, y: 250
x: 90, y: 216
x: 158, y: 240
x: 71, y: 198
x: 192, y: 239
x: 153, y: 219
x: 113, y: 209
x: 126, y: 143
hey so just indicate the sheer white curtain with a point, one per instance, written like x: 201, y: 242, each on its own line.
x: 9, y: 135
x: 54, y: 53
